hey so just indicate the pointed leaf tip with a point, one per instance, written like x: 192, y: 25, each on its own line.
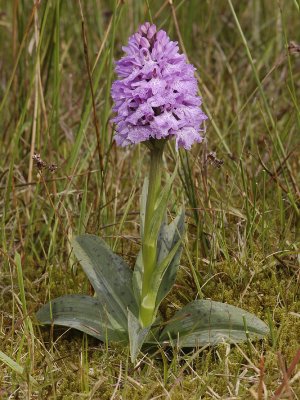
x: 203, y: 322
x: 109, y: 275
x: 84, y: 313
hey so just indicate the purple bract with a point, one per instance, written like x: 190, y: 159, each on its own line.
x: 156, y: 94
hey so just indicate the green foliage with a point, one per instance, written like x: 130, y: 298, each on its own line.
x: 200, y: 323
x: 16, y: 367
x: 137, y: 335
x: 160, y: 208
x: 169, y: 251
x: 85, y: 313
x: 169, y: 240
x: 115, y: 286
x: 109, y: 275
x: 206, y: 322
x: 169, y: 236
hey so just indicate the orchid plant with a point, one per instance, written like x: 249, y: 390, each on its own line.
x: 155, y: 100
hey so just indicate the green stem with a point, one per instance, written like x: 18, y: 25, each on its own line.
x: 149, y: 246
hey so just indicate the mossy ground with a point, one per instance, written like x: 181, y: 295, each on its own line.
x: 242, y: 240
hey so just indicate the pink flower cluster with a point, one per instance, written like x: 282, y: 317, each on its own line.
x: 156, y: 93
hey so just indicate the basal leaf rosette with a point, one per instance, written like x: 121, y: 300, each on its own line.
x: 156, y: 96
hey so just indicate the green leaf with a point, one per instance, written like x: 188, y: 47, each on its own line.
x: 160, y: 270
x: 160, y: 208
x: 137, y: 277
x: 169, y: 236
x: 143, y: 203
x: 203, y: 322
x: 109, y: 275
x: 139, y: 267
x: 17, y: 368
x: 137, y: 335
x: 84, y: 313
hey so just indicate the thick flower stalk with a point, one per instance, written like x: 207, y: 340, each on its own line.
x: 155, y: 99
x: 149, y: 241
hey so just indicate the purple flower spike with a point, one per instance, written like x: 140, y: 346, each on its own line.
x: 156, y: 94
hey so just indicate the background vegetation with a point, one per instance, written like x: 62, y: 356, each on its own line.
x: 242, y: 242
